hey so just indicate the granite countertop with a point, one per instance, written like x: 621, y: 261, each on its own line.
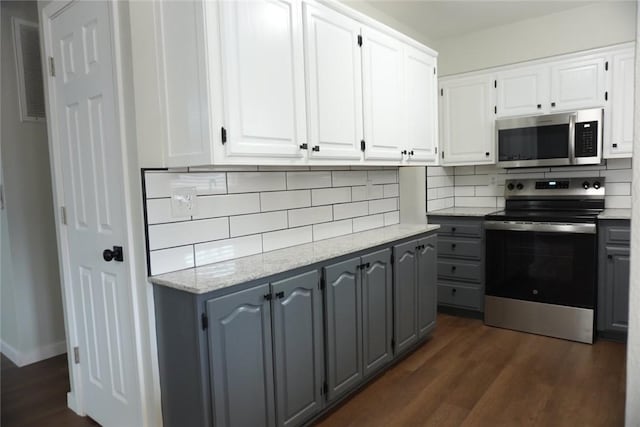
x: 615, y: 214
x: 216, y: 276
x: 464, y: 211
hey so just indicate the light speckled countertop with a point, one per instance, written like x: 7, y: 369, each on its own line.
x: 464, y: 211
x: 615, y: 214
x: 223, y: 274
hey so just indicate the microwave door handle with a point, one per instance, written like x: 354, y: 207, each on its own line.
x: 572, y: 138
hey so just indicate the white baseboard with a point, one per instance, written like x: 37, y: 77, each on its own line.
x: 33, y: 356
x: 72, y: 403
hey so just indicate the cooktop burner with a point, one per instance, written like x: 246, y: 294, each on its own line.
x: 544, y: 216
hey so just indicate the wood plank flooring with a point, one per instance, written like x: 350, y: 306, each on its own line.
x: 36, y: 395
x: 470, y: 374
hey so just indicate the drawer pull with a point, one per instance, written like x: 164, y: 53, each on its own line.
x: 453, y: 246
x: 453, y: 229
x: 453, y: 291
x: 453, y: 268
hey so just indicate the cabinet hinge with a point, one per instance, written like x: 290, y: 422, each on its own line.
x: 63, y: 215
x: 606, y: 66
x: 606, y: 96
x: 436, y: 150
x: 393, y: 259
x: 325, y: 388
x: 359, y: 40
x: 441, y: 92
x: 205, y: 321
x: 223, y: 135
x: 393, y: 344
x: 495, y: 84
x: 268, y: 296
x: 76, y: 355
x: 434, y: 71
x: 52, y: 67
x: 495, y: 109
x: 442, y: 154
x: 363, y: 145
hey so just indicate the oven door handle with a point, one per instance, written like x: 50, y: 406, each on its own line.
x: 544, y: 227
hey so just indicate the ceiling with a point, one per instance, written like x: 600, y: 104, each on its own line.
x: 438, y: 19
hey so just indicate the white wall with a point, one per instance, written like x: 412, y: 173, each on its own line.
x: 597, y: 25
x: 633, y: 342
x: 32, y: 319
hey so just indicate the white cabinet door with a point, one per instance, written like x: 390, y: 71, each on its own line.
x: 263, y: 78
x: 334, y: 82
x: 523, y: 91
x: 421, y: 106
x: 467, y: 121
x: 620, y: 117
x: 383, y: 93
x: 577, y: 84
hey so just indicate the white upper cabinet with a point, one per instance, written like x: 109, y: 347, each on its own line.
x: 467, y: 120
x: 421, y: 106
x: 522, y: 91
x: 578, y: 84
x: 620, y: 119
x: 383, y: 94
x: 263, y: 78
x: 334, y: 79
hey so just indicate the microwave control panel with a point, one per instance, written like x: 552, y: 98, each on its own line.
x: 586, y: 139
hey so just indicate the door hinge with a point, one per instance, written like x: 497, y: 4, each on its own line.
x: 606, y: 66
x: 63, y: 215
x: 223, y: 135
x: 495, y: 109
x: 205, y: 321
x: 495, y: 84
x: 363, y: 145
x: 442, y: 154
x: 441, y: 92
x: 52, y: 67
x: 436, y: 150
x: 76, y: 355
x: 606, y: 96
x: 359, y: 40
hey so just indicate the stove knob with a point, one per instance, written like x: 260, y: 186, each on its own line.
x: 510, y: 186
x: 519, y: 186
x: 596, y: 185
x: 585, y: 185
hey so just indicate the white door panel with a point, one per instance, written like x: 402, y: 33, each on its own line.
x: 577, y: 84
x: 619, y: 121
x: 383, y: 93
x: 91, y: 166
x: 523, y: 91
x: 421, y: 106
x: 334, y: 79
x: 263, y: 73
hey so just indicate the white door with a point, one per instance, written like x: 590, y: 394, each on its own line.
x: 421, y: 106
x: 524, y: 91
x: 619, y: 121
x: 334, y: 79
x: 577, y: 84
x: 467, y: 121
x: 91, y: 164
x: 383, y: 93
x: 263, y: 77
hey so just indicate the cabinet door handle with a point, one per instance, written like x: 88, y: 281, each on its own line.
x: 487, y: 154
x: 614, y: 145
x: 304, y: 146
x: 610, y: 256
x: 453, y: 291
x: 453, y: 268
x: 315, y: 148
x: 453, y: 229
x: 453, y: 246
x: 553, y: 104
x: 539, y: 106
x: 280, y: 295
x: 411, y: 153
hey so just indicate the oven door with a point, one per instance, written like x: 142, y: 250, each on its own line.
x: 542, y: 262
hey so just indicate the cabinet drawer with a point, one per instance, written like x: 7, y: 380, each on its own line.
x: 461, y: 229
x: 617, y: 234
x: 460, y: 296
x: 460, y: 270
x: 463, y: 248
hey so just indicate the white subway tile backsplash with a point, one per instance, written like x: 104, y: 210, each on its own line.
x: 332, y: 229
x: 391, y: 190
x: 439, y: 181
x: 383, y: 176
x: 490, y: 190
x: 471, y: 180
x: 227, y: 205
x: 432, y: 193
x: 616, y: 175
x: 278, y: 200
x: 444, y: 192
x: 439, y: 171
x: 222, y: 250
x: 618, y: 188
x: 621, y: 202
x: 383, y: 205
x: 257, y: 223
x: 437, y: 204
x: 285, y: 238
x: 350, y: 210
x: 249, y: 182
x: 161, y: 184
x: 300, y: 217
x: 476, y: 202
x: 465, y: 170
x: 574, y: 174
x: 349, y: 178
x: 464, y: 191
x: 368, y: 222
x: 304, y: 180
x: 619, y: 164
x: 328, y: 196
x: 367, y: 192
x: 391, y: 218
x: 172, y: 259
x: 159, y: 211
x: 183, y: 233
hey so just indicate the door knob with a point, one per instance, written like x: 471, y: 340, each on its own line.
x: 113, y: 254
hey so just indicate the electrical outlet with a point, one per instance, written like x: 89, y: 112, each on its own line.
x: 183, y: 202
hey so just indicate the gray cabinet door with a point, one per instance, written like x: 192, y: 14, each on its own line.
x: 377, y: 310
x: 427, y: 288
x: 405, y: 295
x: 617, y: 288
x: 344, y: 327
x: 297, y: 348
x: 241, y: 358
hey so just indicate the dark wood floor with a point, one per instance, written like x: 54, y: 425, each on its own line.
x: 469, y: 374
x: 36, y: 395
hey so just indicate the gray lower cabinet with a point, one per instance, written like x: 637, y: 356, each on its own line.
x: 427, y: 289
x: 613, y: 280
x: 242, y: 326
x: 358, y: 320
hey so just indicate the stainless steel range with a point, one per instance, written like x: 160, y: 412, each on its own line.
x: 541, y: 264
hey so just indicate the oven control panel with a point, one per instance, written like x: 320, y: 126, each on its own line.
x: 566, y: 187
x: 586, y: 138
x: 551, y: 185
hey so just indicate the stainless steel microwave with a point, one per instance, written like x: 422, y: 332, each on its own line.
x: 573, y: 138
